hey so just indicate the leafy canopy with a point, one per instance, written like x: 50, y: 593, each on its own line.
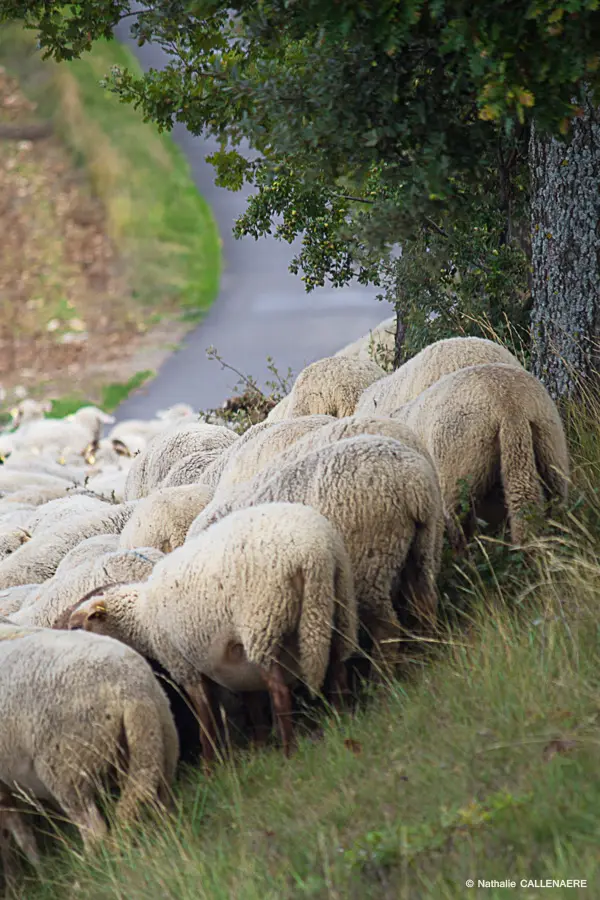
x: 370, y: 123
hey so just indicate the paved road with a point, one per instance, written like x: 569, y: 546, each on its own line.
x: 261, y: 310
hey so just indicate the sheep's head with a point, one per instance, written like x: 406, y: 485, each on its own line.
x: 106, y: 610
x: 75, y: 616
x: 92, y: 418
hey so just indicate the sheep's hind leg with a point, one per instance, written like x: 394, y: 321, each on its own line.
x: 336, y: 682
x: 77, y: 799
x: 281, y: 698
x: 201, y: 696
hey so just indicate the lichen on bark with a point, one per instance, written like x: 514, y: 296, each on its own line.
x: 565, y: 225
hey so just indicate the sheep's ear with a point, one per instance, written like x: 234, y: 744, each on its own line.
x: 121, y: 448
x: 106, y: 418
x: 97, y: 610
x: 88, y: 453
x: 79, y: 619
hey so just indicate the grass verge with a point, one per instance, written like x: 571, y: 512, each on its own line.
x: 481, y: 766
x: 163, y: 228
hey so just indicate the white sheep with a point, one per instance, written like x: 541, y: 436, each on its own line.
x: 246, y: 458
x: 379, y: 345
x: 29, y: 410
x: 71, y: 507
x: 151, y: 467
x: 108, y: 485
x: 427, y: 367
x: 258, y: 600
x: 15, y: 480
x: 11, y: 539
x: 15, y: 515
x: 279, y: 412
x: 25, y: 461
x: 331, y: 387
x: 36, y: 495
x: 192, y: 468
x: 37, y: 560
x: 57, y: 437
x: 46, y: 606
x: 249, y: 459
x: 14, y: 598
x: 134, y: 434
x: 88, y: 551
x: 68, y: 703
x: 488, y: 424
x: 162, y: 519
x: 384, y: 498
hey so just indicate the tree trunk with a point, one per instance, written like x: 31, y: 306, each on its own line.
x: 399, y: 341
x: 565, y: 228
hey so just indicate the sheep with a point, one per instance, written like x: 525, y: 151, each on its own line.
x: 384, y: 498
x: 25, y: 461
x: 36, y: 496
x: 87, y: 551
x: 427, y: 367
x: 378, y: 345
x: 151, y: 466
x: 248, y: 457
x: 68, y: 703
x: 331, y: 387
x: 108, y: 485
x: 247, y: 461
x: 15, y: 515
x: 62, y: 509
x: 192, y: 469
x: 162, y: 518
x: 262, y: 598
x: 488, y: 424
x: 47, y: 605
x: 134, y: 434
x: 279, y: 412
x: 37, y: 560
x: 11, y: 539
x: 56, y: 437
x: 29, y: 410
x: 14, y: 598
x: 14, y: 480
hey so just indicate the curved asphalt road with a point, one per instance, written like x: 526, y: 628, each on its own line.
x: 262, y: 310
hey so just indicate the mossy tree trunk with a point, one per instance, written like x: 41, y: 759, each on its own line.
x: 565, y: 231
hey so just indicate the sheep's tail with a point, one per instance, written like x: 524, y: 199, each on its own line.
x: 318, y: 612
x: 418, y: 577
x: 552, y: 456
x: 152, y: 750
x: 518, y: 470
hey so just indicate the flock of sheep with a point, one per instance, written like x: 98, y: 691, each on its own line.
x: 238, y: 567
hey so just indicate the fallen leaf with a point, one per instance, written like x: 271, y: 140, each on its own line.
x: 354, y: 746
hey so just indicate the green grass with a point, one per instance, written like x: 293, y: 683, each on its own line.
x: 112, y: 395
x: 163, y: 228
x: 481, y: 765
